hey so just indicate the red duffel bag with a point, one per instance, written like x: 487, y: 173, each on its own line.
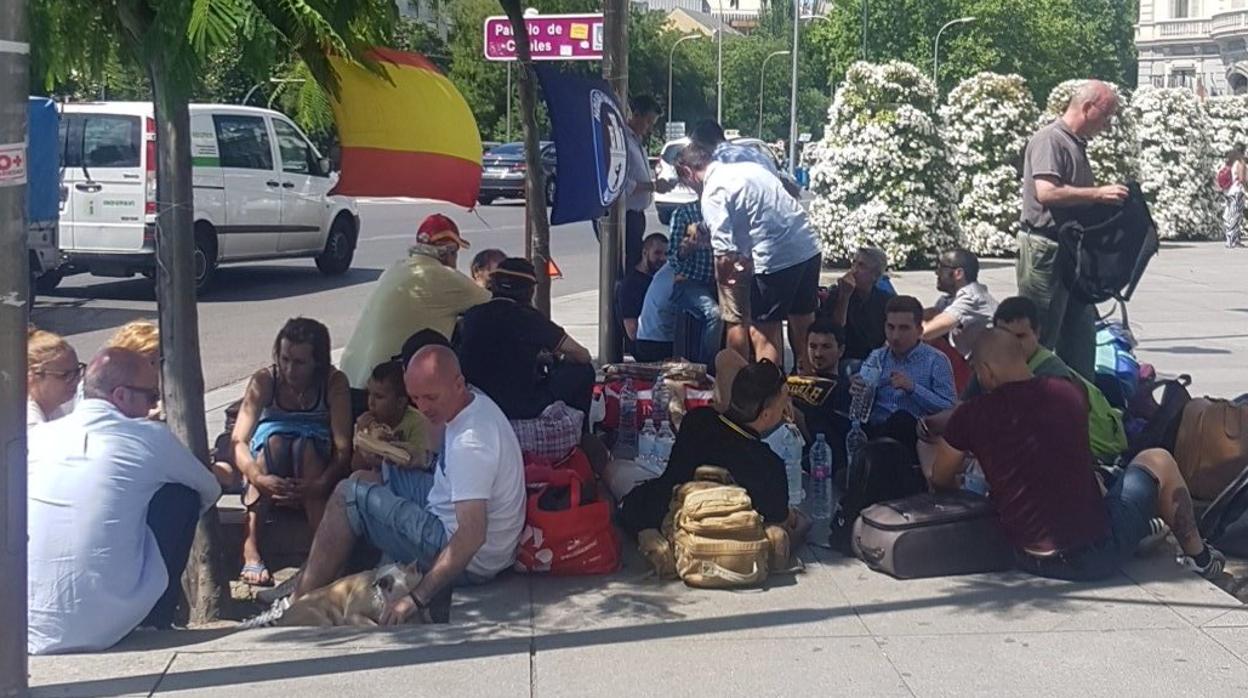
x: 563, y: 533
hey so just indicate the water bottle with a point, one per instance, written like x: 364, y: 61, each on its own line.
x: 855, y: 441
x: 626, y: 438
x: 646, y: 445
x: 973, y: 480
x: 663, y: 443
x: 660, y: 397
x: 820, y: 479
x: 793, y: 463
x: 860, y: 405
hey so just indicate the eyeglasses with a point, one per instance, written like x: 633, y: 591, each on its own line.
x: 72, y: 374
x: 152, y: 394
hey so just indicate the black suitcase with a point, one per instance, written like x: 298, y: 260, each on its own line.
x: 932, y: 535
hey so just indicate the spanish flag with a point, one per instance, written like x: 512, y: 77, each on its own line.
x: 409, y: 135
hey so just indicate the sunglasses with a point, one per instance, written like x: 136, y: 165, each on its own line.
x: 72, y: 374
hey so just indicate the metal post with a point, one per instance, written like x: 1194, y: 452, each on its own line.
x: 509, y: 102
x: 936, y: 53
x: 797, y: 24
x: 719, y: 70
x: 611, y: 238
x: 864, y: 30
x: 762, y: 74
x: 14, y: 290
x: 671, y: 58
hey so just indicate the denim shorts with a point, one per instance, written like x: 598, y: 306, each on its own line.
x: 397, y: 522
x: 1131, y: 503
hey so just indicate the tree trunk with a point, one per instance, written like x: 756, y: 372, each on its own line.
x: 181, y: 372
x: 537, y: 224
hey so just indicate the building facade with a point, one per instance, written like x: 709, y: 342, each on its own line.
x: 1194, y: 43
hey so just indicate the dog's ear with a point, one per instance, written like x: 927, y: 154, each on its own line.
x: 385, y: 583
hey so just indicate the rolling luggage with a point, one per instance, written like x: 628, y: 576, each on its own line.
x: 932, y: 535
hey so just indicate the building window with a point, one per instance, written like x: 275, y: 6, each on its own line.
x: 1183, y: 78
x: 1180, y: 9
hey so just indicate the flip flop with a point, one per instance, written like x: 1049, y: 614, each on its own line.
x: 258, y: 570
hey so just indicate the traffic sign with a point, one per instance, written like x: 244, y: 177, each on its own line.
x: 675, y: 130
x: 573, y: 37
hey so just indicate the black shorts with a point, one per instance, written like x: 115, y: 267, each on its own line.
x: 792, y: 291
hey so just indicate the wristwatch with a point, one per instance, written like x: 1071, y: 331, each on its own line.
x: 420, y: 605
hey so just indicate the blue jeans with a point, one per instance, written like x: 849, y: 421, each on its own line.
x: 701, y: 300
x: 1131, y: 503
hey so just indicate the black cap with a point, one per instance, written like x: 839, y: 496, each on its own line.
x: 418, y: 341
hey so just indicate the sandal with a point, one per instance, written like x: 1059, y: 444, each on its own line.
x: 259, y: 573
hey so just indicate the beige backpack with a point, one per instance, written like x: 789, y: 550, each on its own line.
x: 719, y: 540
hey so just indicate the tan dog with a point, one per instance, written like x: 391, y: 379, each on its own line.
x: 355, y: 600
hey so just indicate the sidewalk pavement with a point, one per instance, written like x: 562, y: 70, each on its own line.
x: 836, y: 629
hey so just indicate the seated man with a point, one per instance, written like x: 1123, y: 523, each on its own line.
x: 965, y: 306
x: 915, y: 379
x: 483, y: 263
x: 730, y: 441
x: 1020, y: 316
x: 695, y: 293
x: 461, y: 521
x: 518, y: 357
x: 423, y: 291
x: 656, y: 329
x: 637, y: 281
x: 857, y: 303
x: 1031, y: 439
x: 822, y: 396
x: 113, y: 501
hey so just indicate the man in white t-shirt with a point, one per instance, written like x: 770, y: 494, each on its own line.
x: 460, y: 522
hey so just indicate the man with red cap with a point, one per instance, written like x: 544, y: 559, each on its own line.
x: 423, y: 291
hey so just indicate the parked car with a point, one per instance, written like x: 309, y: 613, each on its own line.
x: 261, y: 191
x: 503, y: 169
x: 680, y: 194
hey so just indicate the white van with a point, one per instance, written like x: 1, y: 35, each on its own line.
x: 260, y: 191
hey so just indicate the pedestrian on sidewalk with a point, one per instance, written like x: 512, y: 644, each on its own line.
x: 640, y: 185
x: 1059, y: 186
x: 1233, y: 174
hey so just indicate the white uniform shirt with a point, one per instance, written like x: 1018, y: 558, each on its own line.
x: 637, y: 198
x: 94, y: 569
x: 481, y: 459
x: 749, y: 212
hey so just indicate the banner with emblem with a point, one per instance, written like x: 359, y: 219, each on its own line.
x: 590, y: 154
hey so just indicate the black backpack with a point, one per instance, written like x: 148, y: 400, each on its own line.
x: 1162, y: 419
x: 1103, y: 254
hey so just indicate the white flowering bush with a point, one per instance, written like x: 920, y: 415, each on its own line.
x: 1114, y: 154
x: 987, y: 120
x: 1229, y: 118
x: 882, y: 175
x: 1177, y: 163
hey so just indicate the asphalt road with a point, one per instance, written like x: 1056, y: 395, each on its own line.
x: 240, y: 316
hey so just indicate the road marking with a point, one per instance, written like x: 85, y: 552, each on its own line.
x: 18, y: 47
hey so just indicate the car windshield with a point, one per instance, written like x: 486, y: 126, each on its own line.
x: 671, y: 152
x: 508, y: 149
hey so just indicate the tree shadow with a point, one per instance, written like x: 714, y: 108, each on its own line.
x: 69, y: 317
x: 1188, y: 350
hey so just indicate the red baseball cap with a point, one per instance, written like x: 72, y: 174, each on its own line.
x: 437, y: 229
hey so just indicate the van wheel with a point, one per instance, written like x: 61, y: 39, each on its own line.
x: 48, y: 281
x: 205, y: 259
x: 485, y: 200
x: 339, y: 249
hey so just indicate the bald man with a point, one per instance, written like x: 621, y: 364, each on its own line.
x: 1030, y: 435
x: 458, y: 523
x: 1059, y: 186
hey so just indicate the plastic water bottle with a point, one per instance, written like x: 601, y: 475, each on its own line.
x: 860, y: 405
x: 660, y: 397
x: 663, y: 443
x: 646, y: 445
x: 793, y: 463
x: 626, y: 438
x: 855, y: 441
x: 820, y: 479
x: 973, y: 480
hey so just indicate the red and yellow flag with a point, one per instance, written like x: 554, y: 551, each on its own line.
x: 412, y: 135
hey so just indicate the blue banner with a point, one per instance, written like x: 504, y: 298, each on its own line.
x: 43, y: 167
x: 590, y: 155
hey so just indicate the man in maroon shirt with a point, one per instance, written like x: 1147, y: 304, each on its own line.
x: 1030, y: 435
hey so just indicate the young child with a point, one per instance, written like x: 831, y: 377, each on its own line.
x: 391, y: 432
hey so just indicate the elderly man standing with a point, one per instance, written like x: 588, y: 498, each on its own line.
x: 461, y: 521
x: 857, y: 303
x: 113, y: 501
x: 421, y: 292
x: 1059, y: 186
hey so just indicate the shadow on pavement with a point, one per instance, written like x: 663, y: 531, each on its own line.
x: 232, y: 284
x: 73, y: 317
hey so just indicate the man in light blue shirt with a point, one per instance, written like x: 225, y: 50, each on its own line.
x: 656, y: 328
x: 767, y: 260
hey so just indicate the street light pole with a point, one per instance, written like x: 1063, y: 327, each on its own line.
x: 864, y: 30
x: 671, y: 58
x: 761, y: 76
x: 719, y: 70
x: 797, y: 30
x: 14, y: 288
x: 936, y: 49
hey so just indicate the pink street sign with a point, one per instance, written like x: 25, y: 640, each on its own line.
x: 551, y: 38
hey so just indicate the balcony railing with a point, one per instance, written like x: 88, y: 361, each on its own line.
x: 1228, y: 24
x: 1182, y: 28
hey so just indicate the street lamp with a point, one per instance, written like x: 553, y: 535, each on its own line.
x: 670, y: 59
x: 719, y: 70
x: 761, y: 76
x: 936, y: 49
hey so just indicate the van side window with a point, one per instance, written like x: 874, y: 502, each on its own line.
x: 243, y: 142
x: 111, y: 141
x: 296, y: 153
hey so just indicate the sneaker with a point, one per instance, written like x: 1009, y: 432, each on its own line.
x: 268, y: 618
x: 1157, y: 532
x: 1211, y: 571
